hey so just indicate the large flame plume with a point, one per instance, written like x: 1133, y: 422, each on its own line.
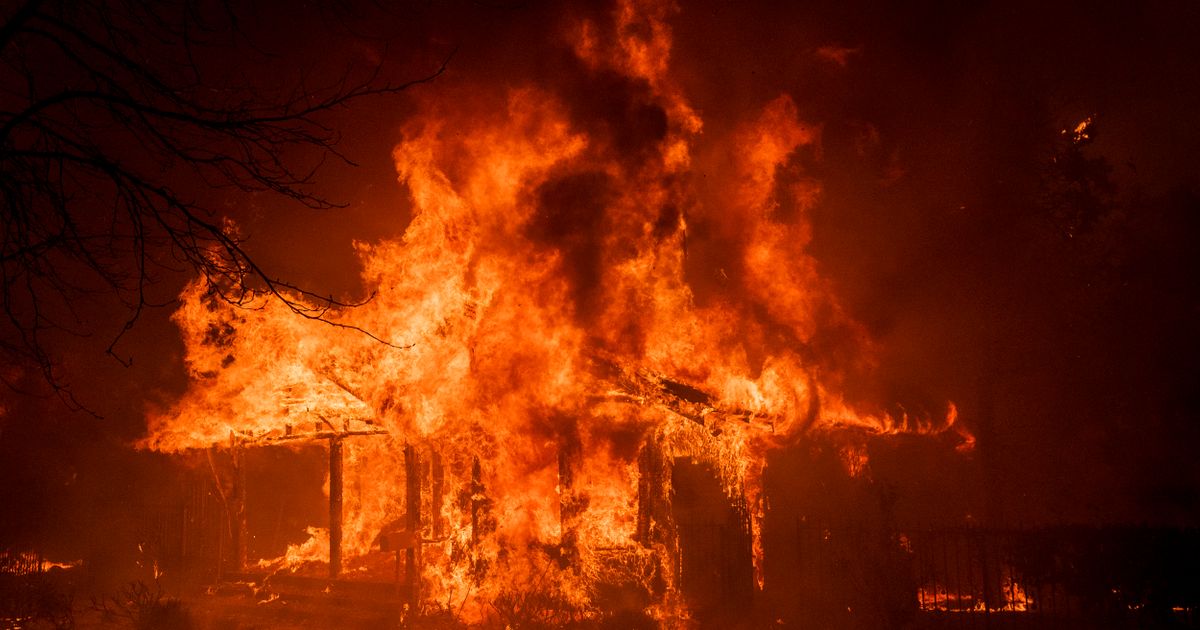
x: 541, y: 303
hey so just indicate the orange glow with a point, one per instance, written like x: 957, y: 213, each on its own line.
x: 1082, y: 131
x: 1014, y: 598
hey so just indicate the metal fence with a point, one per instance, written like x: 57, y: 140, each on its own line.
x: 188, y: 537
x: 32, y: 593
x: 15, y: 562
x: 974, y: 577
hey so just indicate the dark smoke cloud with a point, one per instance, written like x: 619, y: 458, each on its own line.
x: 570, y: 219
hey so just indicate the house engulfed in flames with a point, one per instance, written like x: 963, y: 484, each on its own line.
x: 540, y: 348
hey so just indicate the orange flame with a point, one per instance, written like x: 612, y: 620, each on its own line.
x: 545, y: 332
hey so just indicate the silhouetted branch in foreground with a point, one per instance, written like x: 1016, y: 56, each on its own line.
x: 115, y: 121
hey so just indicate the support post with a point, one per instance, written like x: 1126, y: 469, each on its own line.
x: 335, y: 507
x: 656, y: 525
x: 223, y: 521
x: 476, y: 501
x: 650, y: 504
x: 437, y: 488
x: 238, y: 498
x: 412, y: 521
x: 569, y: 503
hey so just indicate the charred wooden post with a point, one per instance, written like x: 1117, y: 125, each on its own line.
x: 570, y: 504
x: 476, y: 498
x: 653, y: 505
x: 335, y: 507
x: 223, y: 520
x: 656, y: 526
x: 437, y: 490
x: 412, y: 518
x: 238, y: 508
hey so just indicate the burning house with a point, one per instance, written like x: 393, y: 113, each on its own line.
x: 532, y: 361
x: 613, y: 361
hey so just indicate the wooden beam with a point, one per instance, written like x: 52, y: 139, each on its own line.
x: 268, y: 439
x: 648, y: 388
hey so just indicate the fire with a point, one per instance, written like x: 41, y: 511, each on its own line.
x: 546, y: 356
x: 1013, y: 598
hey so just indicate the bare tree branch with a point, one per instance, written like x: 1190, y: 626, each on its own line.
x: 107, y: 121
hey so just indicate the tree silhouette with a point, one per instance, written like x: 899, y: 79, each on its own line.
x: 116, y: 117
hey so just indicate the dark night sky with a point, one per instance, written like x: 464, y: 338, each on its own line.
x: 1073, y: 359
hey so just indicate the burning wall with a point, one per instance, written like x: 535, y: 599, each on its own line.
x: 540, y: 329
